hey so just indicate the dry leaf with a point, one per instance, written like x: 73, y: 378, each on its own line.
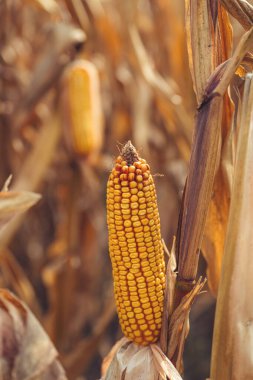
x: 108, y: 359
x: 179, y: 325
x: 26, y: 352
x: 216, y: 223
x: 233, y: 343
x: 204, y: 163
x: 13, y: 203
x: 241, y: 50
x: 217, y: 218
x: 165, y: 368
x: 198, y: 191
x: 215, y: 232
x: 207, y: 24
x: 209, y: 40
x: 200, y: 49
x: 140, y: 363
x: 242, y: 10
x: 169, y: 295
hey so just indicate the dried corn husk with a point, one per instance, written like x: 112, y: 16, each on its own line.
x: 143, y: 363
x: 240, y: 9
x: 26, y: 353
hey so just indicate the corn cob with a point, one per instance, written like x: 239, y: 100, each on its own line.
x: 81, y: 108
x: 135, y: 247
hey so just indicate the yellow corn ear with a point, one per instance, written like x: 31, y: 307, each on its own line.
x: 135, y: 247
x: 81, y: 108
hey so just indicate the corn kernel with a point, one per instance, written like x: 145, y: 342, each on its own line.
x: 136, y: 304
x: 127, y: 223
x: 139, y: 316
x: 126, y: 195
x: 132, y: 184
x: 143, y: 291
x: 143, y: 327
x: 144, y: 300
x: 147, y: 311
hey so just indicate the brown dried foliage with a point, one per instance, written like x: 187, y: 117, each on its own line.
x: 55, y: 257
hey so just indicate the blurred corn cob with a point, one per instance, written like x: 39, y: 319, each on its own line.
x: 135, y: 246
x: 81, y: 109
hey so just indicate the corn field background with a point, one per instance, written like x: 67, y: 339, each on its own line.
x: 55, y: 256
